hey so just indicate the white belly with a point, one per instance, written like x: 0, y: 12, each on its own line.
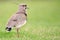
x: 21, y: 24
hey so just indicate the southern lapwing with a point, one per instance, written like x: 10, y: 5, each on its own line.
x: 18, y: 19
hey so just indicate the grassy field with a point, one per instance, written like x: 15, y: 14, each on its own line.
x: 43, y: 21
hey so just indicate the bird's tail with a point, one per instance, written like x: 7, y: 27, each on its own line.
x: 8, y: 29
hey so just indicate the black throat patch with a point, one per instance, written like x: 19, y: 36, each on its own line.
x: 25, y: 14
x: 22, y: 13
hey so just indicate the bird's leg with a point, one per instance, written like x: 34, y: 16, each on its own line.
x: 17, y: 32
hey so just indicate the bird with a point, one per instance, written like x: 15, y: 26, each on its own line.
x: 18, y: 19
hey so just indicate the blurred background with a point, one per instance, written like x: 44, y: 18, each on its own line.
x: 43, y: 20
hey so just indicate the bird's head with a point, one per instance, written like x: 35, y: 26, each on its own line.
x: 8, y: 29
x: 23, y: 6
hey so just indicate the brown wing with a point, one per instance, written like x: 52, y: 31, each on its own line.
x: 12, y: 21
x: 16, y: 19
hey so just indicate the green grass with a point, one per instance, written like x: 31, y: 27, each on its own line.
x: 43, y: 21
